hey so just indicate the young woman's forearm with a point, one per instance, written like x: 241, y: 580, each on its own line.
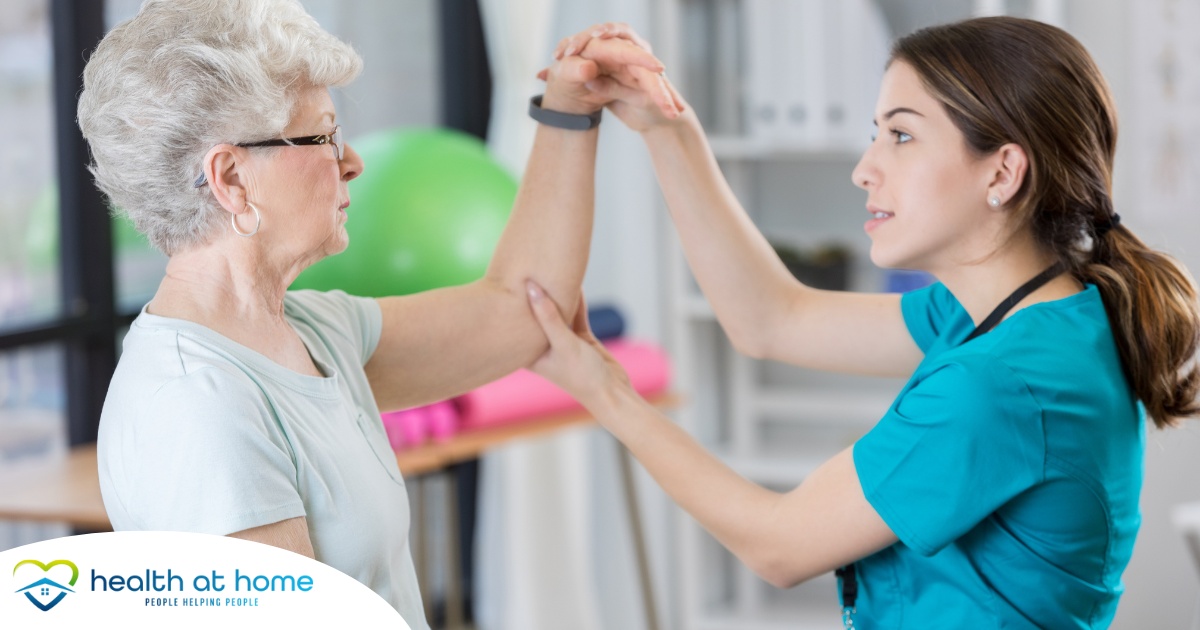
x: 785, y: 538
x: 735, y: 511
x: 734, y: 264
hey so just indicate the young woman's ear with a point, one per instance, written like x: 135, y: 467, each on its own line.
x: 1010, y: 166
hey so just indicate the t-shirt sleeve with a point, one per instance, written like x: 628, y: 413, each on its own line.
x: 953, y: 448
x: 927, y: 312
x: 358, y: 319
x: 207, y: 455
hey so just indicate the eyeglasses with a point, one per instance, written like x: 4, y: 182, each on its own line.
x: 332, y: 138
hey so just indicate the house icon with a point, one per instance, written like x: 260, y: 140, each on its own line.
x: 45, y: 589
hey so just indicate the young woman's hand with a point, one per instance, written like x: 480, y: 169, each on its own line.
x: 570, y: 45
x: 569, y: 80
x: 576, y: 360
x: 641, y: 96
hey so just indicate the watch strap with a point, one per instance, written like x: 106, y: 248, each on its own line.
x: 562, y: 120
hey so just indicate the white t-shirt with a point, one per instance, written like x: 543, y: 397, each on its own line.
x: 202, y: 434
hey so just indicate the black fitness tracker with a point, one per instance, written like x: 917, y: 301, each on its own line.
x: 562, y: 120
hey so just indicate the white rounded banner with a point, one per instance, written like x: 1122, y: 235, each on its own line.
x: 178, y: 580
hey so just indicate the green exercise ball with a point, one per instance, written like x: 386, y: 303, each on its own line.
x: 426, y: 213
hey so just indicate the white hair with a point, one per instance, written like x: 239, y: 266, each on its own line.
x: 183, y: 76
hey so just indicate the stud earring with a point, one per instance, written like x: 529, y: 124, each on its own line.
x: 994, y: 201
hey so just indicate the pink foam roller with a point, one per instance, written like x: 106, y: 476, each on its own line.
x: 392, y: 429
x: 443, y: 420
x: 406, y: 428
x: 524, y: 395
x: 648, y: 366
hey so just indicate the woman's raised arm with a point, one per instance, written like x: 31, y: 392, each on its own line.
x: 765, y: 311
x: 443, y: 342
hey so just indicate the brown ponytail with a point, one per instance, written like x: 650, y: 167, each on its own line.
x: 1151, y: 304
x: 1008, y: 80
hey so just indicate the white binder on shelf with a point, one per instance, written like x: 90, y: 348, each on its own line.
x: 865, y: 43
x: 798, y: 46
x: 762, y: 90
x: 812, y: 72
x: 837, y: 26
x: 726, y: 102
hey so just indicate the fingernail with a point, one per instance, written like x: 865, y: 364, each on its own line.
x: 535, y: 292
x: 597, y: 33
x: 570, y: 49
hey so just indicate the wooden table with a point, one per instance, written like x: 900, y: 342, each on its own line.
x: 462, y: 447
x: 63, y: 490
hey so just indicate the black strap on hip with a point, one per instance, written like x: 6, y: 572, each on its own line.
x: 849, y: 594
x: 848, y: 573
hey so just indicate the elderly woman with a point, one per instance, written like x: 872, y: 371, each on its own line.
x: 239, y: 408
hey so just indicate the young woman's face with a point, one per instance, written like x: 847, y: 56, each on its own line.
x: 926, y: 192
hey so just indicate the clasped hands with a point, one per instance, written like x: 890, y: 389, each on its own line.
x: 610, y: 65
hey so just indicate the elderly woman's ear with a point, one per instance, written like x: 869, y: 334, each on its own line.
x: 225, y: 169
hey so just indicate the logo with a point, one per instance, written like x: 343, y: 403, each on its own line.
x: 46, y: 589
x: 178, y: 579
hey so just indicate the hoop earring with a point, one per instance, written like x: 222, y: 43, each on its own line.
x: 257, y: 222
x: 994, y: 201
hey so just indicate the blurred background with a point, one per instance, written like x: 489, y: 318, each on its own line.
x: 786, y: 90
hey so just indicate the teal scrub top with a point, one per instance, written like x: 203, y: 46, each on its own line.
x: 1009, y: 467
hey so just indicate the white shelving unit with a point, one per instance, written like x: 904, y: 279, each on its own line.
x: 775, y: 424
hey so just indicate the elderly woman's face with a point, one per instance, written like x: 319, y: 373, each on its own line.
x: 303, y: 189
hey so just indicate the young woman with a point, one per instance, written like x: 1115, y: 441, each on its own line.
x: 1001, y: 487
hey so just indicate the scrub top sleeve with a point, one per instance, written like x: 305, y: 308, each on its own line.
x: 927, y: 312
x: 232, y: 467
x: 953, y: 448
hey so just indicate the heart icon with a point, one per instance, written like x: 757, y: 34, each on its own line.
x: 45, y: 593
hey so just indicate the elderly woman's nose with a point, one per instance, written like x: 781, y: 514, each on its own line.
x: 352, y: 164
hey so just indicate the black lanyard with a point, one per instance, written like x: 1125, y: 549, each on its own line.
x: 1051, y: 272
x: 847, y: 573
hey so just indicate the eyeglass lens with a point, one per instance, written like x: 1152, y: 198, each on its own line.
x: 338, y: 144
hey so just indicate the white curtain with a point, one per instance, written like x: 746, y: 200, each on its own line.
x: 553, y: 548
x: 519, y: 42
